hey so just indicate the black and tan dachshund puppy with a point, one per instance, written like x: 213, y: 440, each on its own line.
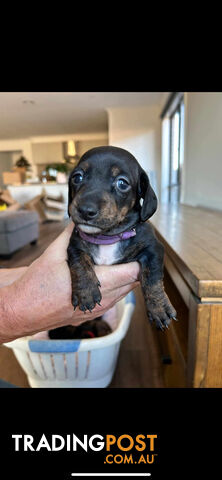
x: 110, y: 201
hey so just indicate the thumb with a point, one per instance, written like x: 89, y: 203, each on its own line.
x: 59, y: 247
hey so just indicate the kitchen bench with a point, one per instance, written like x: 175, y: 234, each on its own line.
x: 192, y: 347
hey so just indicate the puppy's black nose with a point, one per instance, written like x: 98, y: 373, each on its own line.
x: 88, y: 211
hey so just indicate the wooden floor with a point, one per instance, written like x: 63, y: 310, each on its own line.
x: 139, y: 362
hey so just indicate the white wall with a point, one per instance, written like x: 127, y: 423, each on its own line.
x: 48, y: 149
x: 5, y: 164
x: 52, y: 152
x: 23, y: 146
x: 43, y: 153
x: 202, y: 179
x: 138, y: 130
x: 85, y: 145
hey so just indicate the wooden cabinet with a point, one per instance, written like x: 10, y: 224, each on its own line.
x: 192, y: 348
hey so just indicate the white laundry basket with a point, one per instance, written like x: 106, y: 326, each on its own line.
x: 74, y: 363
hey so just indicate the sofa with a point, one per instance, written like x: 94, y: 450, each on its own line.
x: 17, y: 229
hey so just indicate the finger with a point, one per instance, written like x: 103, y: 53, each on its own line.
x: 119, y: 293
x: 60, y: 244
x: 63, y: 239
x: 116, y: 276
x: 106, y: 304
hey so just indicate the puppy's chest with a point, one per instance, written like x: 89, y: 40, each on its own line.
x: 107, y: 254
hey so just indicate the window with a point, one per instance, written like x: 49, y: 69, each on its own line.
x: 172, y: 149
x: 176, y: 153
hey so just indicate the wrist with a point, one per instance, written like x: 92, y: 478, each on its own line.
x: 9, y: 275
x: 7, y: 315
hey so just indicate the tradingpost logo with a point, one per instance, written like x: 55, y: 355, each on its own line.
x: 117, y: 449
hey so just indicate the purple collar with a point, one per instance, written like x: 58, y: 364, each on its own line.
x: 106, y: 239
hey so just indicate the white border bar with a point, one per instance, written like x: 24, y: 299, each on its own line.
x: 110, y: 474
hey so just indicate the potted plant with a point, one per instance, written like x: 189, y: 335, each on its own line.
x: 22, y: 164
x: 61, y: 169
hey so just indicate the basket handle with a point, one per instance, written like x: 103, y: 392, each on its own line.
x: 130, y: 298
x: 54, y: 346
x: 65, y: 346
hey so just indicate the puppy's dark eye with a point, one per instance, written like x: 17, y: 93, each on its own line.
x: 77, y: 178
x: 122, y: 184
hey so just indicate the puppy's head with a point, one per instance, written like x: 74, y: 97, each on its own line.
x: 105, y: 191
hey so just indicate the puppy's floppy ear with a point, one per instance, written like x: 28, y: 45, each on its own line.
x: 70, y: 197
x: 149, y: 198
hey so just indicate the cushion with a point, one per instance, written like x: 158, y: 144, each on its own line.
x: 12, y: 221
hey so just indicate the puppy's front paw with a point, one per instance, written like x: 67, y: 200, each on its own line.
x: 161, y: 315
x: 159, y: 309
x: 86, y: 298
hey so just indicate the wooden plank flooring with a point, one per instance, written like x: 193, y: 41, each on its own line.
x: 139, y: 360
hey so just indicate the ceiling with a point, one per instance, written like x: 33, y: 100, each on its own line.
x: 29, y: 114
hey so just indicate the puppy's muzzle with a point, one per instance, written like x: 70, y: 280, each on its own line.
x: 88, y: 211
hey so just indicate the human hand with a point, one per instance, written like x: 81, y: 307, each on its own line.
x: 41, y: 298
x: 9, y: 275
